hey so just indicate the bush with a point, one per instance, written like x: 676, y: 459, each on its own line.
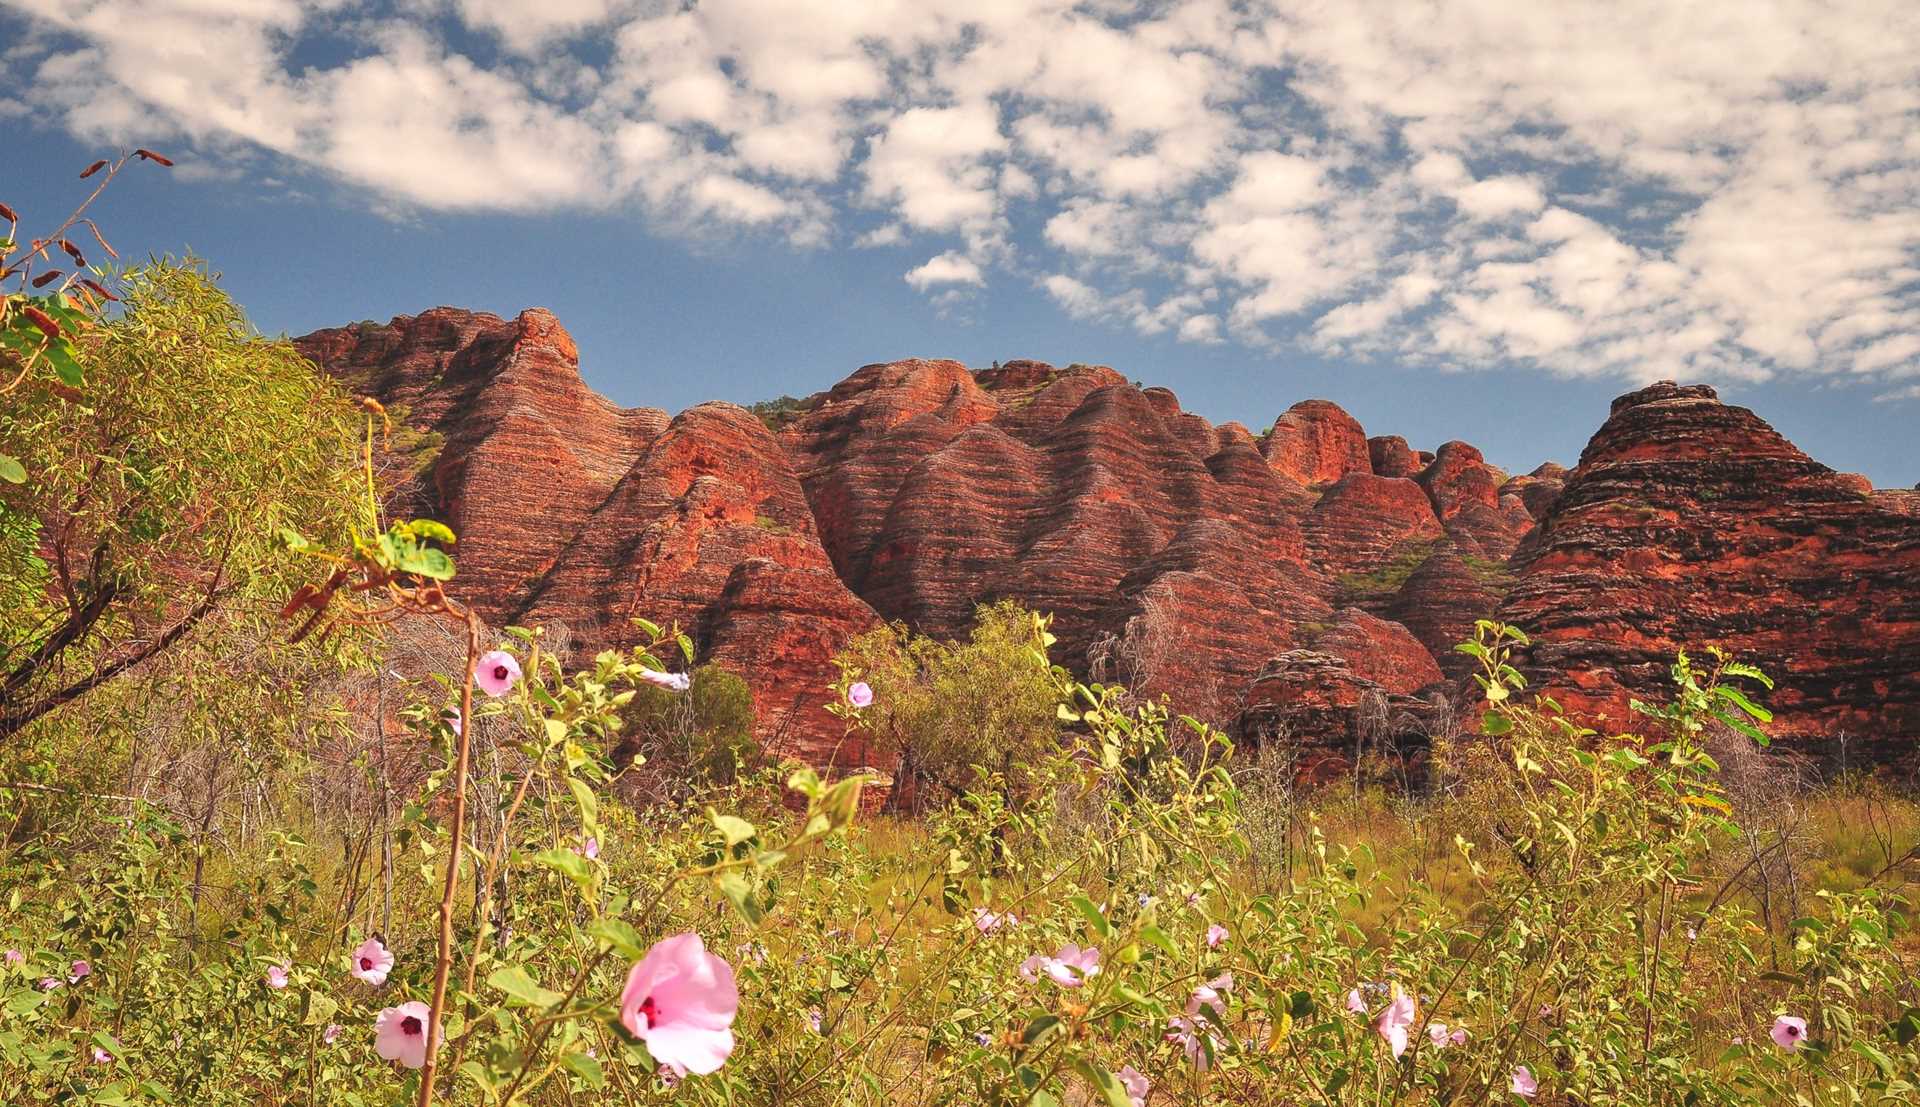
x: 702, y: 737
x: 959, y: 714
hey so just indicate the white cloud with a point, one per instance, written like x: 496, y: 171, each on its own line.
x: 948, y: 268
x: 1629, y: 189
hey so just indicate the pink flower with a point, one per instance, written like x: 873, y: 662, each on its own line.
x: 452, y: 718
x: 331, y: 1032
x: 1356, y: 1003
x: 400, y: 1033
x: 1395, y: 1021
x: 101, y: 1056
x: 815, y: 1019
x: 986, y: 922
x: 49, y: 983
x: 1072, y: 966
x: 591, y: 849
x: 859, y: 693
x: 276, y: 976
x: 1136, y: 1085
x: 1789, y: 1033
x: 1524, y: 1085
x: 681, y: 1001
x: 1437, y: 1031
x: 496, y: 673
x: 1187, y: 1032
x: 1031, y: 968
x: 14, y: 957
x: 1208, y: 994
x: 372, y: 962
x: 78, y: 972
x: 672, y: 682
x: 1215, y: 935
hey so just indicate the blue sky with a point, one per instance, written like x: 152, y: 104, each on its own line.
x: 1456, y: 220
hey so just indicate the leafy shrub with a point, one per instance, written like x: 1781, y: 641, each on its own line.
x: 700, y: 737
x: 960, y: 713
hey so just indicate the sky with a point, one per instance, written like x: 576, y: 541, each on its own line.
x: 1456, y: 218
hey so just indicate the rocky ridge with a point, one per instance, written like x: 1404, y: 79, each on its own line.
x: 1188, y: 559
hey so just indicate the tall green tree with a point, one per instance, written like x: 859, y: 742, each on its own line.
x: 155, y: 492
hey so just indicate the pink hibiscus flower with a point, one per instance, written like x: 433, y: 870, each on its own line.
x: 372, y: 962
x: 1789, y: 1033
x: 1137, y: 1086
x: 1215, y: 935
x: 276, y: 976
x: 860, y: 693
x: 79, y: 971
x: 496, y: 673
x: 1524, y: 1085
x: 681, y: 1001
x: 400, y: 1033
x: 1394, y: 1023
x: 1073, y: 966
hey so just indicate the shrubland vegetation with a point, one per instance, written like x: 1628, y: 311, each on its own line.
x: 278, y: 861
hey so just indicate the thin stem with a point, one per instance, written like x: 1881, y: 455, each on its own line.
x: 443, y: 959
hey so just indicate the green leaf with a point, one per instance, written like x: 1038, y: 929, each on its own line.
x: 1107, y: 1084
x: 567, y: 863
x: 425, y: 529
x: 732, y: 828
x: 1093, y: 915
x: 738, y: 889
x: 514, y: 981
x: 316, y: 1008
x: 11, y: 470
x: 586, y: 1068
x: 60, y: 356
x: 620, y: 937
x: 1880, y: 1060
x: 1038, y: 1029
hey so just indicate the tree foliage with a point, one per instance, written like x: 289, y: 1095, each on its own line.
x: 155, y: 494
x: 956, y: 710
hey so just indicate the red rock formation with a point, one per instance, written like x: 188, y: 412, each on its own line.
x: 1380, y: 651
x: 1176, y: 555
x: 571, y: 510
x: 1392, y: 457
x: 1442, y: 598
x: 1537, y: 490
x: 1690, y: 523
x: 1313, y: 706
x: 1168, y: 550
x: 1316, y: 442
x: 1364, y: 521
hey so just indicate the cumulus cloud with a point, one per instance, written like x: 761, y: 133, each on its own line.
x: 948, y: 268
x: 1631, y: 189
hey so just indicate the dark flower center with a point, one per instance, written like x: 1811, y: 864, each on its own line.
x: 649, y: 1010
x: 1793, y: 1031
x: 410, y: 1025
x: 366, y: 963
x: 499, y: 672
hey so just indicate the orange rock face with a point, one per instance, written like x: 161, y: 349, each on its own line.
x: 573, y: 511
x: 1692, y: 523
x: 1184, y: 558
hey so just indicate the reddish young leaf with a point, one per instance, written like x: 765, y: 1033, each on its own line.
x: 98, y: 290
x: 73, y: 252
x: 92, y: 169
x: 7, y: 214
x: 149, y: 155
x: 46, y: 278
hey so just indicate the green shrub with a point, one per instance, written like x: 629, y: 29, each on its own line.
x: 960, y: 713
